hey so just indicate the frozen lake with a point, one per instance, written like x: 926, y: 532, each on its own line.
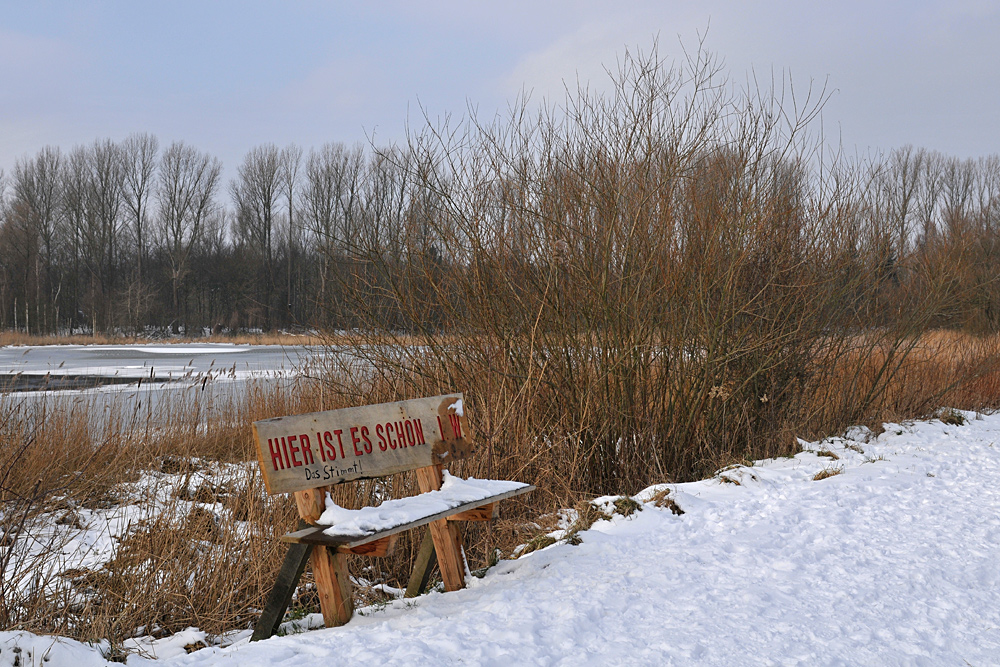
x: 154, y: 378
x: 154, y: 362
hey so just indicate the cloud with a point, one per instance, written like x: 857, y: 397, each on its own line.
x: 583, y: 55
x: 585, y: 51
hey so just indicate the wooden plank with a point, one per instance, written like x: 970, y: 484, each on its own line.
x: 333, y: 583
x: 484, y: 513
x: 284, y: 588
x: 323, y: 448
x: 446, y: 536
x: 314, y: 534
x: 378, y: 549
x: 449, y: 542
x: 422, y: 567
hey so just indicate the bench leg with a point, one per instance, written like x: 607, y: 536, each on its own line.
x: 446, y: 535
x: 281, y: 595
x: 333, y: 583
x: 450, y: 556
x: 422, y: 567
x: 329, y: 567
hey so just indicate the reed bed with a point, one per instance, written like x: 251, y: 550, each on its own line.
x: 200, y: 546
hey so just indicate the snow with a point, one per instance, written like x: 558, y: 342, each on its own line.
x: 892, y: 560
x: 391, y: 513
x: 178, y: 349
x: 23, y: 649
x: 75, y: 539
x: 212, y: 360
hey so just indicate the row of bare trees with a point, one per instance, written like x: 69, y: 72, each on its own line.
x: 123, y: 236
x: 126, y: 236
x: 89, y: 238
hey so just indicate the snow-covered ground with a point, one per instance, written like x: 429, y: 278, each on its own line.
x: 861, y: 550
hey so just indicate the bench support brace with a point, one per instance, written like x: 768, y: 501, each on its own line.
x: 422, y: 567
x: 446, y: 535
x: 284, y: 586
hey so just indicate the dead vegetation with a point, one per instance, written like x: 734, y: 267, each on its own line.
x: 826, y: 473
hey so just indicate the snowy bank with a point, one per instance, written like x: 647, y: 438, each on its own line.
x: 862, y: 550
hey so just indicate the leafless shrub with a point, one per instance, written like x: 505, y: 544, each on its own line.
x: 648, y: 284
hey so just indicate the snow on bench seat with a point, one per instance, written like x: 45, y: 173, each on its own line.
x: 350, y: 528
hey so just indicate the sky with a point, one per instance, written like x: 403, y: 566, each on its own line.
x: 227, y: 75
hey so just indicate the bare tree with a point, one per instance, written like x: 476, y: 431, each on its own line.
x: 104, y: 228
x: 5, y: 277
x: 35, y: 206
x: 93, y: 202
x: 188, y: 181
x: 389, y: 180
x: 929, y: 197
x: 291, y: 159
x: 255, y: 194
x: 76, y: 184
x: 900, y: 187
x: 330, y: 202
x: 139, y: 154
x: 957, y: 181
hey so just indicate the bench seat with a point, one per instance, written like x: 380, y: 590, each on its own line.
x: 354, y: 528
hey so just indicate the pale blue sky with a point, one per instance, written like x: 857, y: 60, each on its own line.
x: 227, y: 75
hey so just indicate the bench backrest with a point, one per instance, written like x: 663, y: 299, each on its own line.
x: 323, y: 448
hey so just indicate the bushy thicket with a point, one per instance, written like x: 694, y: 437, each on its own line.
x: 651, y: 283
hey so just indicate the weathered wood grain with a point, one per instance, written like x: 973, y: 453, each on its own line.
x: 379, y: 548
x: 422, y: 567
x: 333, y: 583
x: 484, y: 513
x: 284, y: 587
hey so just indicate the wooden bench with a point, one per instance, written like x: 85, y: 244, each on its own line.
x: 308, y: 454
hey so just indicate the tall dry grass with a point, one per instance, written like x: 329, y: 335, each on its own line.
x: 190, y: 547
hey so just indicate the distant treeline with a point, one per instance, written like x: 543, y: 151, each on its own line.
x: 127, y: 236
x: 121, y: 237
